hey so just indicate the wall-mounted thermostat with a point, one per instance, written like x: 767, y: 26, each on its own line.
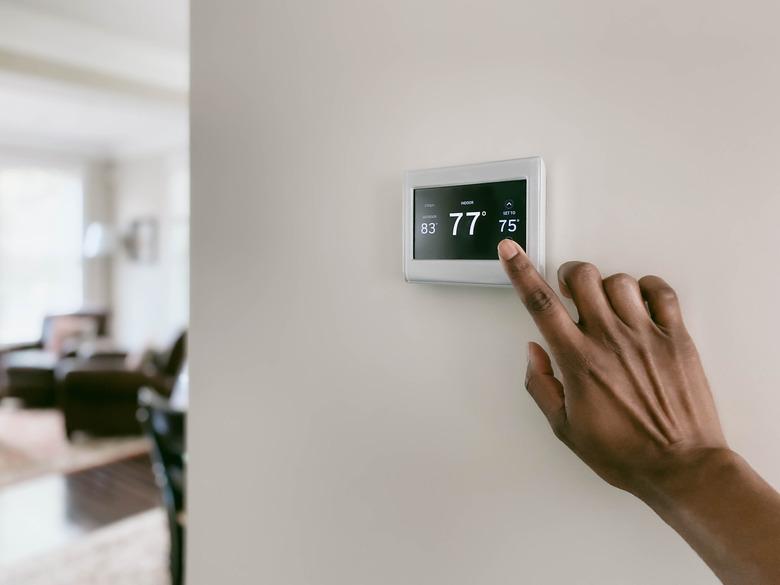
x: 454, y: 218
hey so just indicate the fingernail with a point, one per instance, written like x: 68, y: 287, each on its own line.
x: 508, y: 249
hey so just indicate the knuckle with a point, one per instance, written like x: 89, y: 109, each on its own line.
x: 666, y: 295
x: 620, y: 280
x: 519, y: 267
x: 584, y: 272
x: 647, y: 282
x: 539, y: 300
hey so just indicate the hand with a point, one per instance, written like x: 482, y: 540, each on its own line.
x: 633, y: 401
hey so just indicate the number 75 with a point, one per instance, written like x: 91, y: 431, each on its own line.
x: 509, y: 224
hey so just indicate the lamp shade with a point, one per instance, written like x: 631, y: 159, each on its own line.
x: 100, y: 240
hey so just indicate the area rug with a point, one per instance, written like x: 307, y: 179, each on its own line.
x: 33, y: 442
x: 131, y: 552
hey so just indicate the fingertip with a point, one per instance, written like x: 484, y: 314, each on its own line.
x: 662, y: 301
x: 544, y: 388
x: 508, y: 249
x: 532, y: 367
x: 538, y: 359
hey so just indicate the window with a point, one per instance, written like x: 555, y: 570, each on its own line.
x: 41, y: 215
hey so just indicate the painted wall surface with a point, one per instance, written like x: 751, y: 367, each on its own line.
x: 349, y: 428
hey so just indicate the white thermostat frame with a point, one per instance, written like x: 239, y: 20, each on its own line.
x: 480, y: 272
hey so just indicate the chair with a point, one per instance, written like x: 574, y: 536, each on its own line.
x: 165, y: 427
x: 27, y: 370
x: 100, y: 395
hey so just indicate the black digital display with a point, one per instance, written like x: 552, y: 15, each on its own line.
x: 466, y: 222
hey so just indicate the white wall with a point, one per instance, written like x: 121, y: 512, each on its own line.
x: 150, y: 300
x: 349, y: 428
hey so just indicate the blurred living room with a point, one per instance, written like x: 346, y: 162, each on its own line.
x: 94, y: 278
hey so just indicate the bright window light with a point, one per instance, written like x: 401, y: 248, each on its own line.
x: 41, y: 216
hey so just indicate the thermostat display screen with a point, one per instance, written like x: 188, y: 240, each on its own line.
x: 466, y: 222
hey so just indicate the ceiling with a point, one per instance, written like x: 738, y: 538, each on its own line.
x: 51, y: 117
x: 93, y: 78
x: 163, y: 22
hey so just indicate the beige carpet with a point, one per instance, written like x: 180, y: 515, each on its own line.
x: 33, y: 442
x: 131, y: 552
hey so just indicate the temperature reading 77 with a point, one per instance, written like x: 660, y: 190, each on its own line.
x: 509, y: 225
x: 474, y: 215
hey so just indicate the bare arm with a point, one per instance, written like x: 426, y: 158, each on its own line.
x: 634, y: 404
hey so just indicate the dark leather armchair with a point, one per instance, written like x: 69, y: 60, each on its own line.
x: 27, y: 369
x: 100, y: 395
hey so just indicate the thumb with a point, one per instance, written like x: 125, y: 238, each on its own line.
x: 545, y: 388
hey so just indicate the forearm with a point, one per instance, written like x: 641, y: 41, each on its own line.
x: 726, y: 512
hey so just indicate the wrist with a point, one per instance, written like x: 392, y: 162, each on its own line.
x: 686, y: 475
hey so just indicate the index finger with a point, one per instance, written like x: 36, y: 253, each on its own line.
x: 542, y: 303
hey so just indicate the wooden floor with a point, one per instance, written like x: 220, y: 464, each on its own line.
x: 42, y: 513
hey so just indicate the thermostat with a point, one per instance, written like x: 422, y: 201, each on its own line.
x: 454, y: 218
